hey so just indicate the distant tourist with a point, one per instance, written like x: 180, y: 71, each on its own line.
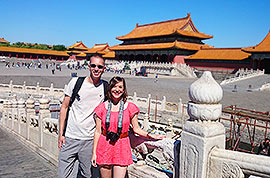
x: 111, y: 141
x: 264, y: 148
x: 76, y: 131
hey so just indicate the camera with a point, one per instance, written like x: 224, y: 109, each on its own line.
x: 113, y: 137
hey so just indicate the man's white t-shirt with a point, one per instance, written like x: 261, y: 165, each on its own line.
x: 80, y: 123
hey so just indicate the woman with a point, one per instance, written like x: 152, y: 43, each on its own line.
x: 111, y: 141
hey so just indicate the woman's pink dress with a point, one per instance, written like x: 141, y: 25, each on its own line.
x: 120, y: 152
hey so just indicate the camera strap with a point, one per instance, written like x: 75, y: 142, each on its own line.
x: 120, y: 119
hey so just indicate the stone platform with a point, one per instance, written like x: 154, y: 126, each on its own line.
x: 16, y: 160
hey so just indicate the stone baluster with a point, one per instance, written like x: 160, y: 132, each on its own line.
x: 135, y: 98
x: 148, y: 104
x: 30, y: 111
x: 204, y: 133
x: 21, y: 113
x: 146, y: 122
x: 180, y: 107
x: 24, y: 87
x: 37, y: 88
x: 170, y: 130
x: 163, y: 103
x: 11, y: 86
x: 9, y: 113
x: 13, y: 110
x: 44, y: 112
x: 51, y: 90
x: 5, y: 113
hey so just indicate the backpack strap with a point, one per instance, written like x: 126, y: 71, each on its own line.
x: 105, y: 86
x: 76, y: 90
x: 74, y: 96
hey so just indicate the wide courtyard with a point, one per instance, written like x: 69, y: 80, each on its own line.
x: 173, y: 88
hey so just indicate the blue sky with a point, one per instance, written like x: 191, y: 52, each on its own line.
x: 233, y: 23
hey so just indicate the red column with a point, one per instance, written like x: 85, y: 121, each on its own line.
x: 9, y: 55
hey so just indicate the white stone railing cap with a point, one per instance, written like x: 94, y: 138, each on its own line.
x: 205, y: 90
x: 21, y: 101
x: 205, y: 128
x: 44, y: 100
x: 30, y: 100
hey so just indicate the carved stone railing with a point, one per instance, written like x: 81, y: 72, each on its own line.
x: 40, y: 131
x: 242, y: 75
x: 265, y: 87
x: 202, y: 152
x: 172, y: 69
x: 31, y: 89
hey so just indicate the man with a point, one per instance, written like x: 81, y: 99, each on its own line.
x: 77, y: 141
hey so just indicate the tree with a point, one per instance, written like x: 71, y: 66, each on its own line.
x: 59, y: 48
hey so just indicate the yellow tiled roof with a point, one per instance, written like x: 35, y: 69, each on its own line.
x: 176, y: 44
x: 2, y: 40
x: 98, y: 48
x: 33, y: 51
x: 183, y: 26
x: 220, y: 54
x: 263, y: 46
x: 110, y: 54
x: 78, y: 45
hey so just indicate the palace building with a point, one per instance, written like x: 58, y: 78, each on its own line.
x: 3, y: 41
x: 227, y: 59
x: 161, y: 41
x: 29, y: 53
x: 80, y: 51
x: 232, y: 59
x: 260, y: 54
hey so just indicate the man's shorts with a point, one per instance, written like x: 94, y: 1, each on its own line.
x: 72, y: 150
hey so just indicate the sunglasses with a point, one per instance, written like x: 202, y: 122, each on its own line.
x: 98, y: 66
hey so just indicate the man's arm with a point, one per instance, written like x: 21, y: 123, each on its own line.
x: 62, y: 120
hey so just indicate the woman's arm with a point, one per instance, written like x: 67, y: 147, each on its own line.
x: 141, y: 132
x: 96, y: 138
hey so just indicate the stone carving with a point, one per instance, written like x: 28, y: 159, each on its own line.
x: 205, y: 90
x: 231, y: 171
x: 191, y: 161
x: 205, y: 94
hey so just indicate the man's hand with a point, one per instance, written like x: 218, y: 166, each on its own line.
x: 61, y: 140
x: 93, y: 160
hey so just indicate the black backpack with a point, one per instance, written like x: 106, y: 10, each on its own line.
x: 75, y: 95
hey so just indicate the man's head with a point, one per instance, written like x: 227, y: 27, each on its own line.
x: 96, y: 67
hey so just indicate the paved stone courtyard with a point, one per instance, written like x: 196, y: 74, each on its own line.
x: 173, y: 88
x: 16, y: 160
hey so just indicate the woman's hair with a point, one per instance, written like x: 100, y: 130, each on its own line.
x: 112, y: 83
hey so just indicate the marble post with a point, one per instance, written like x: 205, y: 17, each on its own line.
x: 13, y: 110
x: 30, y: 110
x: 51, y: 90
x: 24, y: 87
x: 204, y: 133
x: 11, y: 86
x: 44, y: 112
x: 135, y: 98
x: 163, y: 103
x: 21, y: 113
x: 37, y: 88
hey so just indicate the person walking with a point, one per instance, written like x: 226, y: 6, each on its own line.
x: 76, y: 131
x: 111, y: 142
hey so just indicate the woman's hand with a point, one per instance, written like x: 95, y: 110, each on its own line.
x: 157, y: 137
x: 93, y: 160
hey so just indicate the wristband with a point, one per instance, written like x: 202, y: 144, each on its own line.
x: 148, y: 135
